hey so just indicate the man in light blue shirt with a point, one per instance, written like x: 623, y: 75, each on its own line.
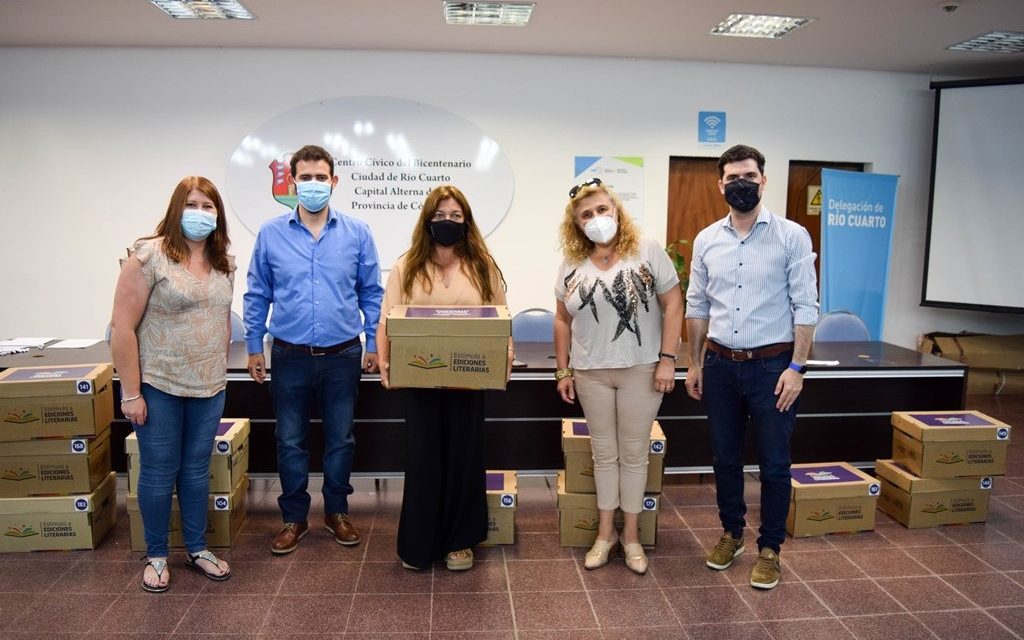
x: 318, y: 268
x: 751, y: 308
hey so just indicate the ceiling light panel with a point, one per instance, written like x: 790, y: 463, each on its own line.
x: 204, y: 9
x: 749, y: 25
x: 993, y: 42
x: 504, y: 14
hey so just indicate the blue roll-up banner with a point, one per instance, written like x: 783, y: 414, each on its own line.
x: 856, y: 242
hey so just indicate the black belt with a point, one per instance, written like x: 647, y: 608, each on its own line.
x: 317, y: 351
x: 741, y: 355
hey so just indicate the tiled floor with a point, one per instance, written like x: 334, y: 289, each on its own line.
x: 948, y: 583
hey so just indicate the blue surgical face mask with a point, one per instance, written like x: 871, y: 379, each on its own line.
x: 313, y: 195
x: 197, y: 224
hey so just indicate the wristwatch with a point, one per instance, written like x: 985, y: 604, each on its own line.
x: 799, y: 368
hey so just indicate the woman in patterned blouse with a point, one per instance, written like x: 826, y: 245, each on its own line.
x: 618, y: 318
x: 170, y: 332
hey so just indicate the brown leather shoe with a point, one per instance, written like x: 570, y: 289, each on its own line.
x: 287, y: 540
x: 344, y: 531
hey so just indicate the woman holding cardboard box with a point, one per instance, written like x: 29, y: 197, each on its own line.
x: 618, y: 317
x: 170, y: 332
x: 444, y: 505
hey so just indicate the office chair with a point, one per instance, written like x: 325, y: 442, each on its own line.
x: 533, y: 325
x: 237, y: 328
x: 841, y: 326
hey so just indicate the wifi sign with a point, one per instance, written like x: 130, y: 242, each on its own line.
x: 711, y: 127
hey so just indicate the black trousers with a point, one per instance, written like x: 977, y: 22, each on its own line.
x: 444, y: 506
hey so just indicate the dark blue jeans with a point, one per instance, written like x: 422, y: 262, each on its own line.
x: 733, y: 393
x: 175, y: 445
x: 297, y: 380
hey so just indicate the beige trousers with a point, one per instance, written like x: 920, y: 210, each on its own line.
x: 620, y: 405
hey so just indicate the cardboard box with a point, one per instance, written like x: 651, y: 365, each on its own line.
x: 463, y: 347
x: 831, y: 497
x: 54, y: 466
x: 502, y: 497
x: 229, y: 460
x: 977, y: 350
x: 223, y: 519
x: 949, y: 444
x: 578, y: 517
x: 982, y: 382
x: 59, y: 522
x: 579, y: 458
x: 927, y: 502
x: 75, y: 401
x: 996, y: 362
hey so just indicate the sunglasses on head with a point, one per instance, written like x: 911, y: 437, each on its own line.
x: 593, y: 182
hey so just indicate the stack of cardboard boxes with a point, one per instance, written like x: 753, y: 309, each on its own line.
x: 229, y: 484
x: 942, y: 467
x: 577, y: 499
x: 57, y: 490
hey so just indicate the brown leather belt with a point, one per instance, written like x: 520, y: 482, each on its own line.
x: 742, y: 355
x: 317, y: 351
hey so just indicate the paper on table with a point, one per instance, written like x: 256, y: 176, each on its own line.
x: 25, y: 342
x: 74, y: 343
x: 822, y: 363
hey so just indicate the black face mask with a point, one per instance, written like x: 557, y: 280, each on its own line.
x: 742, y: 195
x: 447, y: 232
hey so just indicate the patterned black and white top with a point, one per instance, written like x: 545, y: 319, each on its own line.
x: 616, y: 318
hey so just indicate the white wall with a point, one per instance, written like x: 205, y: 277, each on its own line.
x: 93, y: 140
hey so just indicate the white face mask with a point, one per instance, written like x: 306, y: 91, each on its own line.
x: 601, y: 229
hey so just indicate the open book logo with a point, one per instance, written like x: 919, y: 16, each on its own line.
x: 17, y: 474
x: 428, y: 362
x: 587, y: 524
x: 820, y: 515
x: 24, y: 531
x: 20, y: 416
x: 949, y: 458
x: 935, y: 507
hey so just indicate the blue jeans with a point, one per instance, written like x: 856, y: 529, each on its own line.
x: 297, y: 380
x: 175, y: 445
x: 733, y: 393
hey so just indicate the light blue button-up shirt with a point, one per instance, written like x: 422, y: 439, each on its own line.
x: 318, y: 286
x: 753, y: 290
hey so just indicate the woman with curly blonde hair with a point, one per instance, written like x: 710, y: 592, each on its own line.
x: 444, y: 503
x: 618, y: 318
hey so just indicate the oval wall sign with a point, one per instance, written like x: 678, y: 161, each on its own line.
x: 389, y: 153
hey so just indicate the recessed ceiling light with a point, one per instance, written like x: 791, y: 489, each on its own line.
x: 504, y: 14
x: 993, y: 42
x: 749, y: 25
x: 204, y: 9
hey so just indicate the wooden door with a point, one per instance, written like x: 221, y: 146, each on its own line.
x: 693, y: 203
x: 805, y: 175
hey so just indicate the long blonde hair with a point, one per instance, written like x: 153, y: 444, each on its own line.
x: 576, y: 246
x: 476, y: 259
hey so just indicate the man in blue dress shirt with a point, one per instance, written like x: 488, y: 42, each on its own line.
x: 751, y: 308
x: 318, y: 267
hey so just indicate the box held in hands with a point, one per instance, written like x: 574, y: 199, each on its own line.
x: 460, y: 347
